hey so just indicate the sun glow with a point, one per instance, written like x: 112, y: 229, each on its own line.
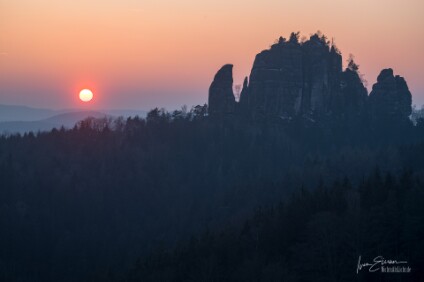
x: 86, y: 95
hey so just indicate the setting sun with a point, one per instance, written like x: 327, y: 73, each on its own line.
x: 86, y: 95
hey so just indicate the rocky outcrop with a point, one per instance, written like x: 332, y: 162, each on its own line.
x: 306, y: 79
x: 293, y: 79
x: 352, y: 96
x: 243, y: 103
x: 276, y: 81
x: 322, y: 67
x: 221, y: 96
x: 390, y: 98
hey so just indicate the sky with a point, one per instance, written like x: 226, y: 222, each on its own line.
x: 140, y: 54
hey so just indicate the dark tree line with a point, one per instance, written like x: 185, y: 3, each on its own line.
x: 313, y: 236
x: 83, y: 204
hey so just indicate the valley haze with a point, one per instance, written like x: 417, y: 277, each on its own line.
x: 21, y: 119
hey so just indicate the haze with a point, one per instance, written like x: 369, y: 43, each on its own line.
x: 143, y: 54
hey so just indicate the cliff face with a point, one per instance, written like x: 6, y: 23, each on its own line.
x: 275, y: 85
x: 390, y: 97
x: 292, y: 78
x: 306, y: 79
x: 321, y: 75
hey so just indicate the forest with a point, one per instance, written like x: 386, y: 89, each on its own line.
x: 180, y: 196
x: 312, y: 236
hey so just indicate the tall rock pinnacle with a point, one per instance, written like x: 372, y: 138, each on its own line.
x: 390, y: 97
x: 221, y: 96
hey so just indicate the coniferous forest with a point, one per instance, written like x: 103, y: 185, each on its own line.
x: 182, y: 197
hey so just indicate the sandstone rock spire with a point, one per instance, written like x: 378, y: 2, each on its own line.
x: 221, y: 96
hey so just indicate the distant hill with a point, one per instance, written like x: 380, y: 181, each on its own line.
x: 11, y: 127
x: 23, y: 113
x: 70, y: 119
x: 21, y: 119
x: 66, y: 120
x: 124, y: 112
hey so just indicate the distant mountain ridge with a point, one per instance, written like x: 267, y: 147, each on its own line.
x: 70, y: 119
x: 67, y: 120
x: 24, y: 113
x: 21, y: 119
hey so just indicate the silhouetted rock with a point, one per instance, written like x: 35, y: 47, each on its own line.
x: 353, y: 95
x: 221, y: 97
x: 292, y: 78
x: 390, y: 97
x: 244, y: 96
x: 276, y: 81
x: 322, y: 67
x: 306, y: 79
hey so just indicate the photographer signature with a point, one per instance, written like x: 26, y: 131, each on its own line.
x: 378, y: 262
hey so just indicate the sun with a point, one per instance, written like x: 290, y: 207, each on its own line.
x: 86, y: 95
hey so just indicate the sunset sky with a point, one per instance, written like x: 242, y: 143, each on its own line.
x: 139, y: 54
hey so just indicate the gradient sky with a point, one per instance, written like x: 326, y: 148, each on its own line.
x: 140, y: 54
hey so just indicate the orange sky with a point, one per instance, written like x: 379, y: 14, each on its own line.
x: 141, y: 54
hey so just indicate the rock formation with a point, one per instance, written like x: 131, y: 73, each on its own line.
x: 352, y: 96
x: 275, y: 84
x: 243, y: 103
x: 390, y: 98
x: 321, y: 75
x: 221, y: 96
x: 306, y: 79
